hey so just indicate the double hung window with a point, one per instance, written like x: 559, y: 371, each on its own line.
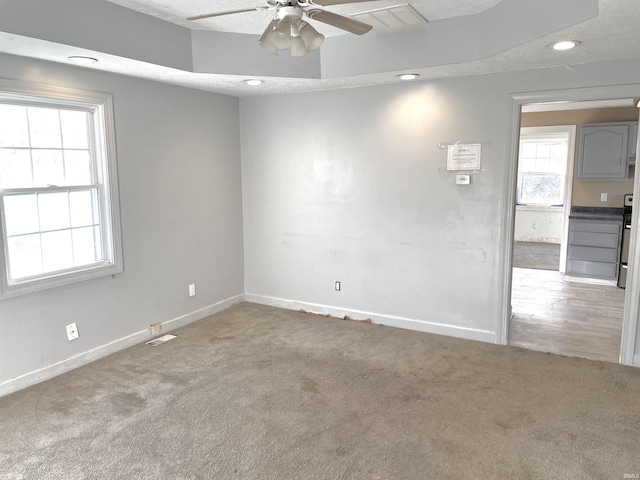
x: 58, y: 187
x: 542, y: 168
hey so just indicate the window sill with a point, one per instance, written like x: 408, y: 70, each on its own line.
x: 60, y: 280
x: 538, y: 208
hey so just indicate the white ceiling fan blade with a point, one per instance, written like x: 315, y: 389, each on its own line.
x: 328, y: 3
x: 344, y: 23
x: 228, y: 12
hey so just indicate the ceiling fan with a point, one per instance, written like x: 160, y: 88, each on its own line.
x: 288, y: 29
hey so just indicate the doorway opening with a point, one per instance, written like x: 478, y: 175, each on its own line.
x: 549, y: 310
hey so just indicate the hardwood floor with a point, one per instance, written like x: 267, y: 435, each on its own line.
x: 551, y: 314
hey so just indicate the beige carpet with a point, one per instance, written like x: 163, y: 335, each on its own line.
x: 261, y: 393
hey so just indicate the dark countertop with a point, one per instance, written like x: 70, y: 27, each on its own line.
x: 596, y: 213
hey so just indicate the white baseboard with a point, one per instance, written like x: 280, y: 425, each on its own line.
x: 379, y: 319
x: 636, y: 360
x: 529, y: 239
x: 63, y: 366
x: 592, y: 281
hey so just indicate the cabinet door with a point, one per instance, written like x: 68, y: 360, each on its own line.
x: 603, y: 152
x: 633, y: 140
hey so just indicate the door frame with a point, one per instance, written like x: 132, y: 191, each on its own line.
x: 632, y: 293
x: 571, y: 130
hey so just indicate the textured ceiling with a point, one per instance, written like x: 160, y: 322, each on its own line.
x: 255, y: 22
x: 611, y: 34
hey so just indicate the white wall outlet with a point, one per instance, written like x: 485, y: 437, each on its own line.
x: 337, y: 286
x: 463, y: 179
x: 192, y: 290
x: 604, y: 197
x: 72, y: 331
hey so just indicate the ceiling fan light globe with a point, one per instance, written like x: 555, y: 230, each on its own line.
x: 268, y: 47
x: 280, y: 37
x: 277, y: 42
x: 312, y: 39
x: 264, y: 39
x: 298, y: 48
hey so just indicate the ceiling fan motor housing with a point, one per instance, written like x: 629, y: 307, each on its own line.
x: 291, y: 14
x: 288, y: 30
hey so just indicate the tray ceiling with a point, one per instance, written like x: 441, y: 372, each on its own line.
x: 463, y: 37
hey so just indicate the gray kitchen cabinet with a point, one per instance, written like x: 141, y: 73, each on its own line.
x: 594, y: 248
x: 603, y: 151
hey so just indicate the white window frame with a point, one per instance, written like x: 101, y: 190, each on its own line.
x: 100, y: 106
x: 542, y: 133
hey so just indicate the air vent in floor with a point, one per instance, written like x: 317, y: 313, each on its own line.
x: 159, y: 340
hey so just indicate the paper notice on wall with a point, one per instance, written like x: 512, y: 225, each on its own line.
x: 463, y: 157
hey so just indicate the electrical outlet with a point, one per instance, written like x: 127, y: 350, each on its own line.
x: 192, y: 290
x: 337, y: 286
x: 604, y: 197
x: 72, y: 331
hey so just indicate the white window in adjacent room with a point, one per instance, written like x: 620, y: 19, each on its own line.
x: 58, y: 187
x: 542, y: 168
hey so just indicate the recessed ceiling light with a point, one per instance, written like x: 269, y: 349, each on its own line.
x: 254, y: 82
x: 565, y: 45
x: 82, y: 60
x: 408, y: 76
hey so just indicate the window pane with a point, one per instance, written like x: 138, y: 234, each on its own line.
x: 559, y: 152
x: 559, y: 149
x: 21, y: 214
x: 528, y: 150
x: 44, y: 127
x: 543, y: 150
x: 542, y: 164
x: 557, y: 165
x: 14, y: 130
x: 54, y: 211
x: 48, y: 168
x: 83, y: 208
x: 15, y: 168
x: 544, y: 189
x: 527, y: 164
x: 25, y: 258
x: 84, y: 246
x: 57, y: 253
x: 75, y: 129
x: 77, y: 167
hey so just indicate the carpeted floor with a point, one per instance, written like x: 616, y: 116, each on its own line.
x: 262, y: 393
x: 540, y: 256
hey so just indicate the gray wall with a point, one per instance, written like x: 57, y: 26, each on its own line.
x: 350, y: 185
x: 345, y: 185
x: 181, y: 206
